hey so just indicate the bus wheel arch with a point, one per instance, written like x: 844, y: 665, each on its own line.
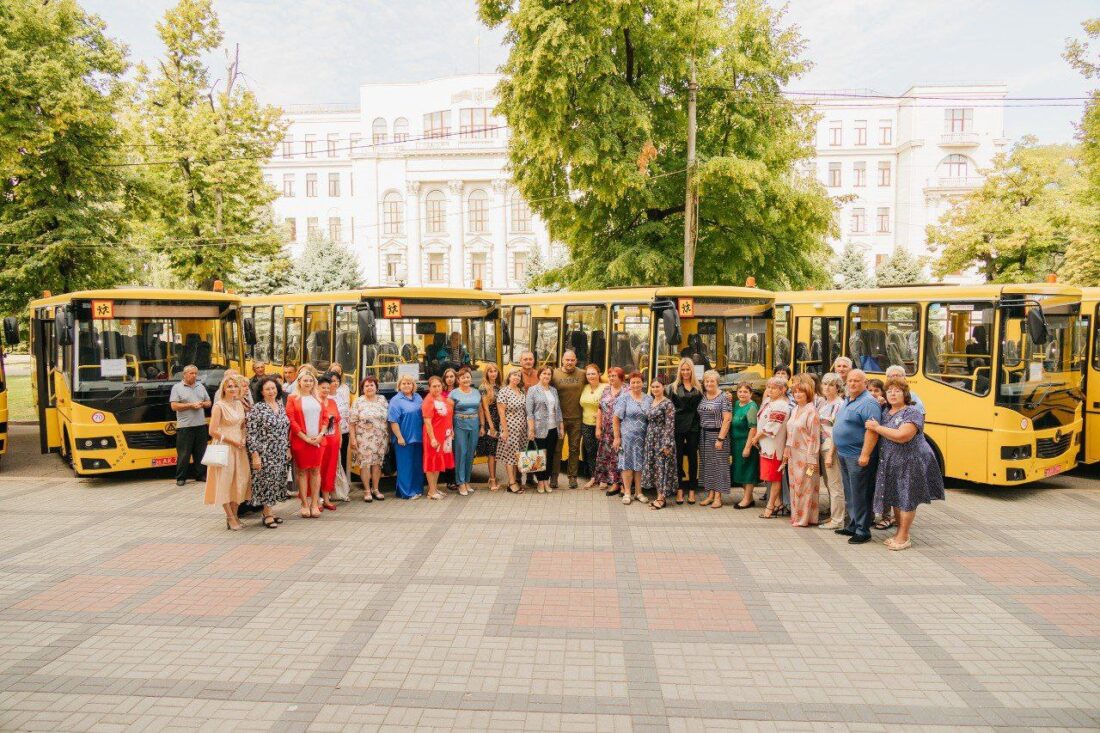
x: 939, y: 455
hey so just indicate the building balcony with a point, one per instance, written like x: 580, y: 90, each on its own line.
x: 960, y: 182
x: 959, y: 140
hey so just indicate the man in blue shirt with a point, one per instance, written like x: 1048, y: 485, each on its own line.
x: 855, y: 446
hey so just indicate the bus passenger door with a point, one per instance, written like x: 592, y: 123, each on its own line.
x: 817, y: 344
x: 1091, y: 440
x: 45, y: 356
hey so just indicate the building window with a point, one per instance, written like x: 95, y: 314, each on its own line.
x: 331, y: 143
x: 393, y: 214
x: 519, y: 267
x: 859, y: 174
x: 437, y: 124
x: 334, y: 229
x: 884, y: 220
x: 861, y: 132
x: 959, y: 119
x: 957, y: 166
x: 834, y: 175
x: 400, y: 130
x: 313, y: 227
x: 267, y: 179
x: 355, y: 141
x: 521, y: 214
x: 311, y: 185
x: 333, y: 184
x: 288, y: 146
x: 885, y: 132
x: 473, y: 122
x: 311, y: 144
x: 378, y: 131
x: 884, y: 173
x: 836, y: 134
x: 291, y: 225
x: 859, y: 221
x: 477, y: 217
x: 436, y: 212
x: 479, y: 268
x: 436, y: 267
x: 288, y: 185
x: 393, y: 268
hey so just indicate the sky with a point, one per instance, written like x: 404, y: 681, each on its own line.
x: 320, y: 51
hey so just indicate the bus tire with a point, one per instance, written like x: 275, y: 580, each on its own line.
x: 66, y: 450
x: 939, y: 455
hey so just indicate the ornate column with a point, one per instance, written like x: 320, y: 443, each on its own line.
x: 412, y: 233
x: 456, y: 264
x: 500, y: 238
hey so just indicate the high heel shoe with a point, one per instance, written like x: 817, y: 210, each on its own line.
x: 231, y: 527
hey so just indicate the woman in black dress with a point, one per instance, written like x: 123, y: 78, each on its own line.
x: 686, y: 394
x: 268, y: 443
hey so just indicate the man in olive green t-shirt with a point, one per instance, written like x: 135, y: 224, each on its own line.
x: 569, y: 381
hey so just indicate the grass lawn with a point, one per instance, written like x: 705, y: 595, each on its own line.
x: 20, y: 399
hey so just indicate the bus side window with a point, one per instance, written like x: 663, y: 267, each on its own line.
x: 882, y: 336
x: 278, y: 342
x: 521, y: 332
x: 958, y: 346
x: 546, y: 341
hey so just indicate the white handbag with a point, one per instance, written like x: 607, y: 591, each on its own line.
x: 217, y: 454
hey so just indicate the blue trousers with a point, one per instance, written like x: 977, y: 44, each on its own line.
x: 466, y: 435
x: 859, y: 492
x: 410, y: 469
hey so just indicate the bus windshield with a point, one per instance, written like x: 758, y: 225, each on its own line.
x: 729, y: 336
x: 150, y: 344
x: 1042, y: 380
x: 430, y: 337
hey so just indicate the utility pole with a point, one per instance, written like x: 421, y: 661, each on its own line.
x: 690, y: 198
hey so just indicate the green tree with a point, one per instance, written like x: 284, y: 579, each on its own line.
x: 850, y: 271
x: 900, y: 268
x: 60, y: 212
x: 1082, y: 263
x: 202, y: 144
x: 323, y: 265
x: 263, y: 276
x: 595, y: 95
x: 1017, y: 225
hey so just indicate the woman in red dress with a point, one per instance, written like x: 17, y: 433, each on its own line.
x: 330, y: 457
x: 303, y: 407
x: 439, y: 454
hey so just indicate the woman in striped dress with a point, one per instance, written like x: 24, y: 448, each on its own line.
x: 607, y: 457
x: 715, y: 414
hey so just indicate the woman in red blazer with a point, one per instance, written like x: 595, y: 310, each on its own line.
x: 330, y: 455
x: 307, y: 435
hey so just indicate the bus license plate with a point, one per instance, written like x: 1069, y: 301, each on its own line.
x: 1053, y: 470
x: 170, y: 461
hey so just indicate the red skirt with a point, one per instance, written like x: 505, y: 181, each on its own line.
x: 305, y: 456
x: 435, y: 459
x: 769, y: 469
x: 330, y: 458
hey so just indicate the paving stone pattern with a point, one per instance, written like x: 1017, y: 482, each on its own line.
x: 126, y: 605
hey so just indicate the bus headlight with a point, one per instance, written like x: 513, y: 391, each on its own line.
x: 1015, y: 452
x: 105, y: 443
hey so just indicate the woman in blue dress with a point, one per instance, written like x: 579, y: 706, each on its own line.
x: 407, y: 426
x: 631, y: 421
x: 908, y: 472
x: 467, y: 428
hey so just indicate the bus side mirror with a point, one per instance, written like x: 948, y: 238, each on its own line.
x: 249, y: 331
x: 1037, y: 326
x: 63, y: 326
x: 670, y: 323
x: 11, y: 331
x: 368, y: 332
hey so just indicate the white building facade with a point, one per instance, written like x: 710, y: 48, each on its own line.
x: 414, y: 178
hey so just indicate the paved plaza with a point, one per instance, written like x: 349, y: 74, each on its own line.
x: 126, y: 605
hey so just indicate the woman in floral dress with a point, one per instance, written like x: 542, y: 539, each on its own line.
x: 802, y: 453
x: 660, y: 471
x: 268, y: 443
x: 369, y: 436
x: 631, y: 419
x: 607, y: 457
x: 511, y: 410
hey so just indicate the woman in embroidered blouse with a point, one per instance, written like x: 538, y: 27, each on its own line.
x: 660, y: 472
x: 590, y: 415
x: 467, y: 407
x: 269, y: 448
x: 490, y: 422
x: 229, y: 485
x: 369, y: 436
x: 802, y: 453
x: 512, y: 407
x: 544, y: 422
x: 438, y: 435
x: 771, y: 437
x: 303, y: 407
x: 715, y: 416
x: 833, y: 387
x: 607, y: 456
x: 631, y: 420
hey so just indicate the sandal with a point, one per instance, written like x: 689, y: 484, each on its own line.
x: 278, y: 520
x: 658, y: 503
x: 515, y: 489
x: 494, y: 486
x: 750, y: 505
x: 367, y: 497
x: 882, y: 524
x: 769, y: 513
x: 305, y: 513
x: 378, y: 495
x: 315, y: 512
x: 270, y: 522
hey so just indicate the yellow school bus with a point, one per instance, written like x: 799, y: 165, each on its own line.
x: 386, y: 332
x: 103, y: 363
x: 997, y: 367
x: 648, y: 330
x: 1090, y: 311
x: 11, y: 338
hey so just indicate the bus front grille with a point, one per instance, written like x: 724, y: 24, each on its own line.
x: 1052, y: 447
x: 149, y: 440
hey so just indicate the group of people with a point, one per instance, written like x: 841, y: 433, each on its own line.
x: 859, y: 440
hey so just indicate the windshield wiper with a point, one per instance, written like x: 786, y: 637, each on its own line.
x: 1050, y: 387
x: 131, y: 387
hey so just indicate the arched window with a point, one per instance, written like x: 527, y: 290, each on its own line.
x: 521, y: 214
x: 956, y: 166
x: 435, y: 205
x: 378, y: 131
x: 393, y: 214
x: 478, y: 212
x: 400, y: 130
